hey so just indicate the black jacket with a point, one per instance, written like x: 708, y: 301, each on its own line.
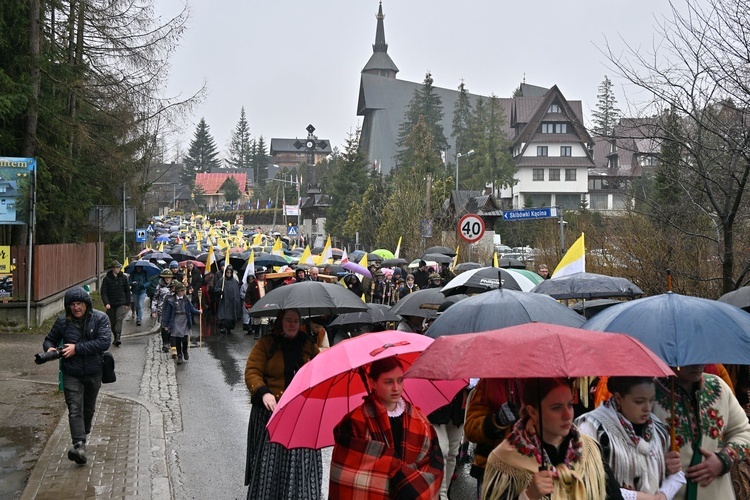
x: 116, y: 290
x: 89, y: 345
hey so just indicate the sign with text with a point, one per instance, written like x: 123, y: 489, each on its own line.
x: 531, y: 213
x: 471, y: 228
x: 5, y: 260
x: 15, y: 179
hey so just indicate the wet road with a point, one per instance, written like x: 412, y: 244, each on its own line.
x: 207, y: 455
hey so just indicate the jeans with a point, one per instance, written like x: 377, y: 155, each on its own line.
x: 138, y: 299
x: 116, y: 315
x: 80, y: 396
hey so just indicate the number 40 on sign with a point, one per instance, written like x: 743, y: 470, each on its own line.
x: 471, y: 228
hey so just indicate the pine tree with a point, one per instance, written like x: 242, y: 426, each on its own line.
x: 606, y: 114
x: 240, y: 150
x: 260, y: 161
x: 426, y: 104
x: 202, y: 155
x: 348, y: 183
x: 667, y: 190
x: 232, y: 191
x: 462, y: 120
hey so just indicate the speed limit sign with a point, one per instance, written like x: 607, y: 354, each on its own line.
x: 471, y: 228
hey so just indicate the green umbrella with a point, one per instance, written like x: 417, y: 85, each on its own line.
x: 386, y: 254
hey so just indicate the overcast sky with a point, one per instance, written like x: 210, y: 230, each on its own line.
x: 294, y: 62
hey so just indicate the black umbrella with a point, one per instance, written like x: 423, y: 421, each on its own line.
x: 269, y: 260
x: 376, y: 313
x: 466, y: 266
x: 590, y: 308
x: 501, y: 308
x: 441, y: 250
x: 373, y: 257
x: 394, y: 262
x: 437, y: 257
x: 587, y: 286
x: 238, y: 259
x: 157, y: 255
x: 181, y: 255
x: 203, y: 257
x: 411, y: 305
x: 739, y: 298
x: 311, y: 298
x: 508, y: 263
x: 488, y: 278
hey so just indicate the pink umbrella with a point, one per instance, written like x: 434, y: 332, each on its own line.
x: 356, y: 268
x: 330, y: 386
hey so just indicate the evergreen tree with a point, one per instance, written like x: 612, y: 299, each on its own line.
x: 667, y: 190
x: 462, y: 120
x: 348, y: 183
x: 260, y: 161
x: 202, y: 155
x: 606, y: 114
x: 366, y: 215
x: 232, y: 191
x: 240, y: 150
x: 425, y: 103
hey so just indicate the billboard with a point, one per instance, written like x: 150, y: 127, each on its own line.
x: 15, y: 179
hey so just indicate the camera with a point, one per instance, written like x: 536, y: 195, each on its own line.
x: 43, y: 357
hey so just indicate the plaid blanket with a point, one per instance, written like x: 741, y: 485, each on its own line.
x: 364, y: 466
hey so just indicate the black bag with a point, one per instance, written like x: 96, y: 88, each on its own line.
x: 108, y: 373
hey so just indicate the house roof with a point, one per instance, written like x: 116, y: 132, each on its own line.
x: 212, y: 182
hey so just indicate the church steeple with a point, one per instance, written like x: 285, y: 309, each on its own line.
x: 380, y: 45
x: 380, y: 62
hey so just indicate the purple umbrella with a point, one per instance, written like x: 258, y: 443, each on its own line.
x: 356, y: 268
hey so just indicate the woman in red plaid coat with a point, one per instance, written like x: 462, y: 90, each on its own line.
x: 386, y: 448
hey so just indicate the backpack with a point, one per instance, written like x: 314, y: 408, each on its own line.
x: 153, y: 284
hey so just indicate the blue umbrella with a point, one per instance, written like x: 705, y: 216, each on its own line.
x: 162, y: 237
x: 681, y: 330
x: 148, y: 267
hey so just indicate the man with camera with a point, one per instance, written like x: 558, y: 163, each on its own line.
x: 80, y: 338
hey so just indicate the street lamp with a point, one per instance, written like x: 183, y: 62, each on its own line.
x: 461, y: 155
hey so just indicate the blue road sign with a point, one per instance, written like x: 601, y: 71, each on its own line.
x: 140, y: 235
x: 530, y: 213
x: 292, y: 231
x: 150, y: 228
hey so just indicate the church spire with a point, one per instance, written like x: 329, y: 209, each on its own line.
x: 380, y: 62
x: 380, y: 45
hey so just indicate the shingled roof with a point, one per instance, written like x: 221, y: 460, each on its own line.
x: 211, y: 183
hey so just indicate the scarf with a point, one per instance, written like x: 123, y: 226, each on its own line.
x: 632, y: 456
x: 528, y: 444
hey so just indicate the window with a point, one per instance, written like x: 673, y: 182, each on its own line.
x: 541, y: 150
x: 568, y: 201
x: 554, y: 174
x: 566, y: 150
x: 554, y: 128
x: 570, y: 174
x: 554, y: 108
x: 598, y: 201
x: 538, y: 174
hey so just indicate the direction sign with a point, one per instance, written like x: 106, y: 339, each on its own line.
x: 471, y: 228
x: 531, y: 213
x: 140, y: 235
x: 292, y: 231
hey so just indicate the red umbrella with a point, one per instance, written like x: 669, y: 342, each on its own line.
x: 197, y: 263
x: 330, y: 386
x: 537, y: 350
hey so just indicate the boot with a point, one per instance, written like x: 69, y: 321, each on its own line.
x: 179, y: 359
x: 165, y: 348
x: 117, y: 340
x: 77, y: 454
x: 256, y: 329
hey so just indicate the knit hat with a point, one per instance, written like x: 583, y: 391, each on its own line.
x: 166, y: 273
x: 173, y: 264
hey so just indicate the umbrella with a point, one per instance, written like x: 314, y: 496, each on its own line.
x: 269, y: 260
x: 181, y: 255
x: 203, y: 256
x: 466, y: 266
x: 357, y: 255
x: 330, y: 386
x: 312, y: 298
x: 394, y: 262
x: 590, y: 308
x: 587, y: 286
x: 437, y: 257
x: 373, y: 257
x: 537, y: 350
x: 356, y: 268
x: 337, y: 252
x: 499, y: 309
x: 738, y: 298
x: 148, y: 267
x: 508, y: 263
x: 158, y: 256
x: 238, y: 259
x: 410, y: 305
x: 200, y: 265
x: 441, y: 250
x: 488, y: 278
x: 384, y: 254
x: 682, y: 330
x: 162, y: 237
x: 376, y: 313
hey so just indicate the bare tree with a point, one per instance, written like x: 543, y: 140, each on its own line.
x: 698, y: 69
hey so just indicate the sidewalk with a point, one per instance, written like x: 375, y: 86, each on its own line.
x: 126, y: 452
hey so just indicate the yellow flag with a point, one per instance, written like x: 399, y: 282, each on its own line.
x: 278, y: 248
x: 495, y: 262
x: 306, y: 257
x: 250, y: 267
x: 574, y: 260
x: 455, y: 259
x: 363, y: 263
x: 327, y: 255
x: 398, y: 248
x: 125, y: 264
x: 258, y: 239
x: 161, y: 246
x: 211, y: 258
x: 184, y: 246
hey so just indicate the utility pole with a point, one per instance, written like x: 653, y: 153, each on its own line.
x: 124, y: 224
